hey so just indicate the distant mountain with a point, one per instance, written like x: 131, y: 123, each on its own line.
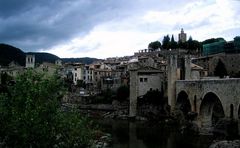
x: 44, y: 57
x: 85, y: 60
x: 9, y: 53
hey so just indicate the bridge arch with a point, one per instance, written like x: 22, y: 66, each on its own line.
x: 211, y: 109
x: 183, y: 102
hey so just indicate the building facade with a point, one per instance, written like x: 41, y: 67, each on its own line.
x: 30, y: 61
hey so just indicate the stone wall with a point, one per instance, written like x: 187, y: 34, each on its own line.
x: 133, y: 93
x: 231, y: 62
x: 172, y: 77
x: 149, y: 82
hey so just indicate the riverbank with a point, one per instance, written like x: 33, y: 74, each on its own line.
x: 145, y: 134
x: 109, y: 114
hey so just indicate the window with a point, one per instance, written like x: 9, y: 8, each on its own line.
x: 145, y: 79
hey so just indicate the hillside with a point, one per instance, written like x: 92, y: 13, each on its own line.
x: 9, y: 53
x: 44, y: 57
x: 85, y: 60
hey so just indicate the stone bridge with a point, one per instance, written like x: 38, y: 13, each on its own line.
x: 210, y: 98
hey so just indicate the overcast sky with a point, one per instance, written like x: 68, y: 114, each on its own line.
x: 111, y: 28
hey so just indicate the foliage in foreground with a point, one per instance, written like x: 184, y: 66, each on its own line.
x: 31, y: 115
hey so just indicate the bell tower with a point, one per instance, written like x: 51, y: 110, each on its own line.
x: 30, y: 61
x: 182, y: 37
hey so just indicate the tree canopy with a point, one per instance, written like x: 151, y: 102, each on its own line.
x: 190, y: 45
x: 155, y: 45
x: 31, y: 115
x: 220, y: 70
x: 173, y: 43
x: 166, y: 42
x: 212, y: 40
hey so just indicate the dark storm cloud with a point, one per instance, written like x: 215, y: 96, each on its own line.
x: 31, y: 25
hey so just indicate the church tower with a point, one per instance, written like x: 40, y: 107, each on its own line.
x: 30, y: 61
x: 182, y: 37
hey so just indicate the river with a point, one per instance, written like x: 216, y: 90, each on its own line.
x: 128, y: 134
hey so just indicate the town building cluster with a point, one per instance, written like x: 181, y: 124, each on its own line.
x: 151, y: 65
x: 163, y: 70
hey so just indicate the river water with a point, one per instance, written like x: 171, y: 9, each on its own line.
x: 127, y: 134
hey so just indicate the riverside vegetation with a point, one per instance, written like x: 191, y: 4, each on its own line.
x: 31, y: 115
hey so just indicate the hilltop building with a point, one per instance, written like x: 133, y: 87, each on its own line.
x: 182, y: 37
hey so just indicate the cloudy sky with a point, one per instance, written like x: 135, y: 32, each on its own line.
x: 111, y: 28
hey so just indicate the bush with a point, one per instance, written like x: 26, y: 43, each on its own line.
x: 154, y: 97
x: 31, y: 115
x: 220, y: 70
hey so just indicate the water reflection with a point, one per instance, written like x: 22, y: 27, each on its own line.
x: 150, y: 135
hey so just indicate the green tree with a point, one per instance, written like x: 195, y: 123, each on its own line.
x: 31, y: 115
x: 212, y: 40
x: 220, y: 69
x: 155, y: 45
x: 173, y: 43
x: 190, y: 44
x: 5, y: 78
x: 166, y: 42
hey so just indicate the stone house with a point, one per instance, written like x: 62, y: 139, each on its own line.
x: 142, y: 80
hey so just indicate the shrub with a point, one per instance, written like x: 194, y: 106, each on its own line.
x: 31, y: 115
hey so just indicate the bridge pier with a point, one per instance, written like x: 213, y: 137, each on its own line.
x: 172, y: 77
x: 133, y: 93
